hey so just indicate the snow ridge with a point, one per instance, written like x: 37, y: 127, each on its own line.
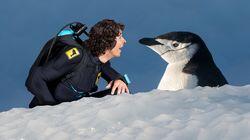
x: 200, y: 113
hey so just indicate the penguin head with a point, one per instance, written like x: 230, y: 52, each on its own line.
x: 175, y: 46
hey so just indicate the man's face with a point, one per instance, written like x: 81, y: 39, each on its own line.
x: 120, y: 41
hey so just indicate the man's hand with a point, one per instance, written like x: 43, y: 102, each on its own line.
x: 118, y: 85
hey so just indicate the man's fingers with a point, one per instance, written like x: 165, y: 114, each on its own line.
x: 119, y: 87
x: 119, y: 91
x: 127, y: 90
x: 123, y: 90
x: 113, y: 89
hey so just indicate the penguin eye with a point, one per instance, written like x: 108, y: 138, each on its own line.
x: 175, y: 44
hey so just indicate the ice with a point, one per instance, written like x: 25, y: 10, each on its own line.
x: 201, y: 113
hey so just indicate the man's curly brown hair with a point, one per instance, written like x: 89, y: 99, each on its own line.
x: 102, y: 36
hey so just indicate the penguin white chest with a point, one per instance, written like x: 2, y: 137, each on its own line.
x: 174, y: 78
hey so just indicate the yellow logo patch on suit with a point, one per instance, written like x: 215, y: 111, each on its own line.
x: 72, y: 53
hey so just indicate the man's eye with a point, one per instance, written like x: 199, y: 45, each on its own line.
x: 119, y: 37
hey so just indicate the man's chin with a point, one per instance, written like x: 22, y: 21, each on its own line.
x: 118, y: 55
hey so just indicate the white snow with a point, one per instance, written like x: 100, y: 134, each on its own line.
x: 200, y: 113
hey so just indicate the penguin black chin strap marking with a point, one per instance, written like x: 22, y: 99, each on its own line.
x: 77, y: 28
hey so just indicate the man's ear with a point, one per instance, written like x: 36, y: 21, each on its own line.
x: 108, y: 51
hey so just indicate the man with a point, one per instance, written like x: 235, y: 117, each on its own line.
x: 74, y: 71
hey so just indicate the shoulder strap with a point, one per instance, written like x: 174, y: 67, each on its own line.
x: 71, y: 41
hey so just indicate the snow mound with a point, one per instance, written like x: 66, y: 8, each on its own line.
x: 200, y: 113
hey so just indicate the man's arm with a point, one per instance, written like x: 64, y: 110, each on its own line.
x: 39, y: 76
x: 116, y: 81
x: 110, y: 74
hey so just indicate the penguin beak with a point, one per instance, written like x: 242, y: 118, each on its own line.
x: 149, y: 42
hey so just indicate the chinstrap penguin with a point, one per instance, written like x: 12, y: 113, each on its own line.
x: 190, y: 63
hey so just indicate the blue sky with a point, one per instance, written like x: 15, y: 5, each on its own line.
x: 27, y: 25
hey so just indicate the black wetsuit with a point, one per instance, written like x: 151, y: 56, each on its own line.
x: 69, y: 76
